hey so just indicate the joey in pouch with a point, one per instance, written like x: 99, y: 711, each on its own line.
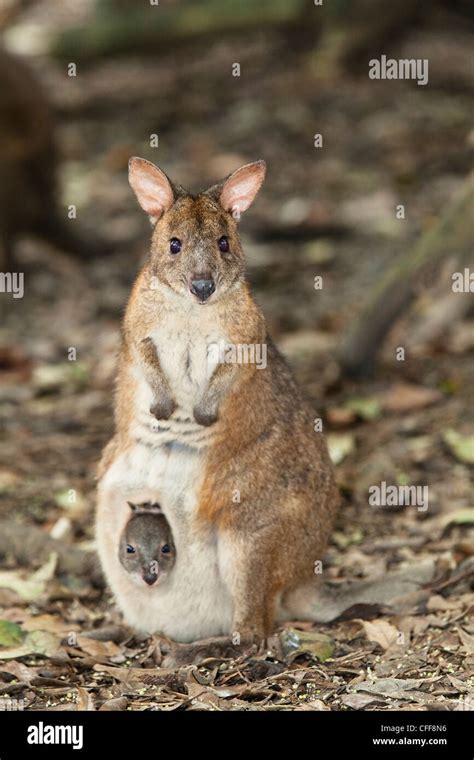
x: 146, y: 549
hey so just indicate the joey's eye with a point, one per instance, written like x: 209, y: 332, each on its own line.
x: 165, y: 549
x: 130, y: 549
x: 175, y: 245
x: 223, y: 244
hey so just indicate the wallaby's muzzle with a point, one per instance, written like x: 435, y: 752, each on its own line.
x: 202, y: 288
x: 150, y: 577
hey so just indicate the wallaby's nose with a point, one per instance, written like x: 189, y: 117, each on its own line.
x: 149, y: 577
x: 203, y: 288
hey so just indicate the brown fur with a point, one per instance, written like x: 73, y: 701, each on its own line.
x: 282, y: 470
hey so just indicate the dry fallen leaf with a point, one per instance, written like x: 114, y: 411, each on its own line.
x: 102, y: 650
x: 358, y: 701
x: 117, y: 703
x: 51, y: 623
x: 85, y: 700
x: 388, y: 687
x: 382, y: 632
x: 467, y: 641
x: 18, y: 669
x: 405, y: 397
x: 339, y: 417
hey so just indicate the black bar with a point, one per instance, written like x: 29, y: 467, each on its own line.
x: 122, y: 734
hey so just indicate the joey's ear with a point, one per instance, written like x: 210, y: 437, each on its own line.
x: 151, y: 186
x: 149, y: 506
x: 240, y: 189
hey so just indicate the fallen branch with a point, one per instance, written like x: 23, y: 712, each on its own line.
x: 392, y: 295
x: 453, y: 579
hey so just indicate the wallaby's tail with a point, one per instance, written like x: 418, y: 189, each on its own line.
x: 326, y: 602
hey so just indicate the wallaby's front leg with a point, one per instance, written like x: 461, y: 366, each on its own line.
x: 163, y: 404
x: 206, y: 410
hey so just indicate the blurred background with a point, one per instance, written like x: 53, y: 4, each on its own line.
x: 159, y: 81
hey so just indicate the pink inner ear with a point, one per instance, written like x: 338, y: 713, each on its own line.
x: 241, y: 188
x: 151, y: 186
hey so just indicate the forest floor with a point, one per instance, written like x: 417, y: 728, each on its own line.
x: 63, y: 645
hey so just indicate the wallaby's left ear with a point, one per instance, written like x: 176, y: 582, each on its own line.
x: 240, y: 189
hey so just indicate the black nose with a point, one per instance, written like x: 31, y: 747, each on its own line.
x: 202, y: 288
x: 149, y: 577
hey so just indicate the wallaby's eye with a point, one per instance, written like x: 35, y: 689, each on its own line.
x: 175, y: 245
x: 223, y: 244
x: 130, y: 549
x: 165, y: 549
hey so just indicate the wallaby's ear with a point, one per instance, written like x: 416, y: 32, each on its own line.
x: 240, y: 189
x: 151, y: 186
x: 133, y: 507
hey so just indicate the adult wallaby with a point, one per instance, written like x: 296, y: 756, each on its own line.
x: 225, y: 444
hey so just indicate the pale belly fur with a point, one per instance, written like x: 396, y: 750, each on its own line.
x: 165, y: 464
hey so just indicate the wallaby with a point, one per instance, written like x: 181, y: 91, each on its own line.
x: 146, y: 548
x: 227, y: 446
x: 28, y: 167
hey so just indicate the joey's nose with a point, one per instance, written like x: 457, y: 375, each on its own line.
x: 149, y: 577
x: 202, y: 288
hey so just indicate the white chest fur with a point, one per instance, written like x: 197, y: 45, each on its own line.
x: 184, y: 342
x: 183, y: 348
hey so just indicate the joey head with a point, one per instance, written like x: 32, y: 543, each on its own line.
x: 146, y: 549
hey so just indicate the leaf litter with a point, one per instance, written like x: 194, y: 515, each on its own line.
x: 63, y: 645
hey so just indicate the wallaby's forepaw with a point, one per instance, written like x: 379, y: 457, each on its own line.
x: 163, y: 409
x: 204, y: 415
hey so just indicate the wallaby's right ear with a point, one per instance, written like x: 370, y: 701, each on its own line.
x: 132, y: 506
x: 151, y: 186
